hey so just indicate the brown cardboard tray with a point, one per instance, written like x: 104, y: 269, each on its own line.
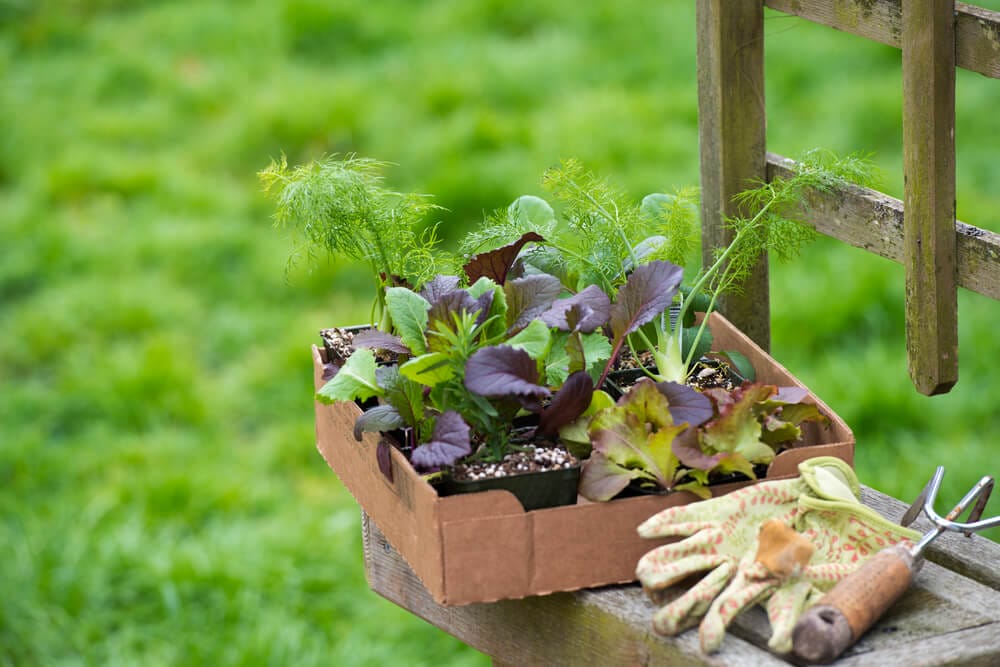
x: 483, y: 547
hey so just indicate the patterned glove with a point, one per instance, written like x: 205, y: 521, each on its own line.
x: 722, y: 537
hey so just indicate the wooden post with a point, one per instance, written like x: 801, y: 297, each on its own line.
x: 731, y: 127
x: 929, y: 200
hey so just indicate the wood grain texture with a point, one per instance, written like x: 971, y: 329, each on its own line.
x: 731, y: 128
x: 929, y: 199
x: 873, y: 221
x: 977, y: 30
x: 944, y: 618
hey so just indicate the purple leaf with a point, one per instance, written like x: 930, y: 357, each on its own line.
x: 383, y: 455
x: 648, y: 292
x: 571, y: 401
x: 380, y: 340
x: 602, y: 479
x: 686, y: 403
x: 329, y: 371
x: 451, y: 302
x: 484, y: 303
x: 449, y: 443
x: 529, y: 297
x: 379, y: 418
x: 502, y: 370
x: 588, y: 308
x: 496, y: 263
x: 790, y: 395
x: 438, y: 287
x: 688, y: 451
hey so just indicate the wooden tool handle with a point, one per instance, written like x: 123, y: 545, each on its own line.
x: 845, y: 613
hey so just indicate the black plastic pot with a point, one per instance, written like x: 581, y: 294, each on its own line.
x: 534, y: 490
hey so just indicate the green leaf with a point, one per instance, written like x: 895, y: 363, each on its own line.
x: 355, y: 381
x: 429, y: 369
x: 409, y: 316
x: 532, y: 211
x: 405, y: 395
x: 533, y: 339
x: 575, y: 435
x: 736, y: 429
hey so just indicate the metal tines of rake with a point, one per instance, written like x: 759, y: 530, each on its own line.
x: 980, y: 493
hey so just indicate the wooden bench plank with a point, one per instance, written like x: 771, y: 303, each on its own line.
x: 945, y: 618
x: 732, y: 141
x: 977, y: 30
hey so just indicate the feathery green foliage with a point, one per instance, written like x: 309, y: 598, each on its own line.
x: 340, y: 206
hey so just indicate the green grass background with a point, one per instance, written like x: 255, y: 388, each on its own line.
x: 161, y: 501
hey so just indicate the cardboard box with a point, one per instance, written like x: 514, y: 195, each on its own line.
x: 483, y: 547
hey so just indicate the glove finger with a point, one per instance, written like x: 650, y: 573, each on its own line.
x: 743, y: 592
x: 658, y: 574
x: 684, y: 612
x: 701, y: 544
x: 784, y: 608
x: 671, y: 526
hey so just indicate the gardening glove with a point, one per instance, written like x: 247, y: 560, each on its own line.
x: 747, y: 567
x: 844, y: 533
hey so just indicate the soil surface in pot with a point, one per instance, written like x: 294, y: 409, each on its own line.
x: 530, y: 459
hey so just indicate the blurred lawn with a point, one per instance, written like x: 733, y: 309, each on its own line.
x: 162, y: 502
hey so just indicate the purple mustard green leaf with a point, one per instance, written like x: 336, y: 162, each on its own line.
x: 329, y: 370
x: 528, y: 298
x: 383, y: 455
x: 380, y: 340
x: 495, y: 264
x: 588, y: 309
x: 378, y: 418
x: 438, y: 286
x: 736, y: 428
x: 449, y: 443
x: 484, y: 302
x: 648, y: 291
x: 501, y: 371
x: 455, y: 302
x: 686, y: 403
x: 569, y: 402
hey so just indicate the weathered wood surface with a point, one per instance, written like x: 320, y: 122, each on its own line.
x: 732, y: 140
x: 951, y: 615
x: 873, y: 221
x: 929, y: 199
x: 977, y: 30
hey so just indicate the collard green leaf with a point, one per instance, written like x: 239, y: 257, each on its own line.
x: 496, y: 263
x: 378, y: 418
x: 570, y: 401
x: 528, y: 298
x: 501, y: 371
x: 588, y: 310
x: 533, y: 339
x: 687, y: 405
x: 690, y: 338
x: 379, y: 340
x: 409, y: 317
x: 449, y: 443
x: 648, y: 292
x: 355, y: 381
x: 429, y: 369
